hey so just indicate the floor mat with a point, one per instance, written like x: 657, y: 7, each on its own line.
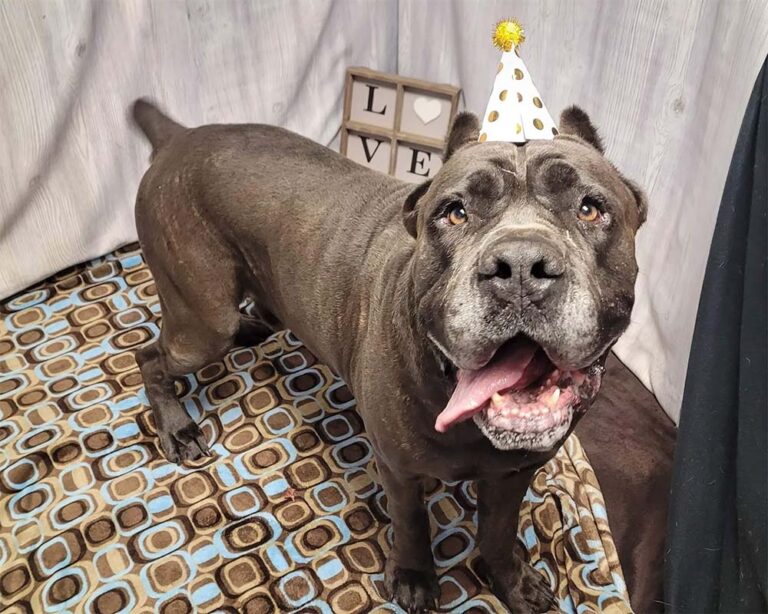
x: 288, y: 514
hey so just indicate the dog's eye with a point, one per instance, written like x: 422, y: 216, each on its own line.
x: 589, y: 210
x: 456, y: 213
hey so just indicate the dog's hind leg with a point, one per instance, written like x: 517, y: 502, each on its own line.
x: 180, y: 438
x: 252, y: 331
x: 191, y: 337
x: 259, y: 323
x: 200, y: 280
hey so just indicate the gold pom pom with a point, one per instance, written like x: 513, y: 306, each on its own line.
x: 508, y: 34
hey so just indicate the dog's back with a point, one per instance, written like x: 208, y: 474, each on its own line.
x: 220, y: 201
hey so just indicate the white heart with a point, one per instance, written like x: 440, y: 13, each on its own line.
x: 428, y: 109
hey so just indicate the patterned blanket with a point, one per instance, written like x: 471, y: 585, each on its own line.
x: 288, y: 515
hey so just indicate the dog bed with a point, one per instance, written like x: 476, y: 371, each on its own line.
x: 287, y: 515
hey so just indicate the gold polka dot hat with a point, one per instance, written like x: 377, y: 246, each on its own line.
x: 515, y: 112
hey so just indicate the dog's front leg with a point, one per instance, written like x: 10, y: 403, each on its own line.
x: 410, y: 575
x: 523, y: 589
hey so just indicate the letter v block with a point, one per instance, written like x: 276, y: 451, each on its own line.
x: 371, y: 151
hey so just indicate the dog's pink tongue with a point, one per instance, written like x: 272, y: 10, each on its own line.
x: 475, y: 388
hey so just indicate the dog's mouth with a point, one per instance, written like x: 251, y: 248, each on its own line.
x: 521, y: 399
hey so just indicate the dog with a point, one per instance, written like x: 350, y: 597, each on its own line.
x: 470, y: 314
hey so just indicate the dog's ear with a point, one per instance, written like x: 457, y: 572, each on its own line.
x: 464, y: 129
x: 410, y: 209
x: 576, y: 122
x: 640, y: 198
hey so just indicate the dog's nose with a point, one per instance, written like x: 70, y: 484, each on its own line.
x: 522, y: 268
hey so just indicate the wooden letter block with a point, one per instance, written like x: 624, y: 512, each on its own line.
x: 425, y: 114
x: 374, y: 103
x: 415, y: 163
x: 371, y: 151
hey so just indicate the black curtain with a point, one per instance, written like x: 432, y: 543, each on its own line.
x: 717, y: 545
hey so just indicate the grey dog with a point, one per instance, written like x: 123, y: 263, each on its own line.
x: 470, y: 315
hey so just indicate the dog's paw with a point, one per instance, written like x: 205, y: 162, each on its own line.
x: 184, y: 444
x: 527, y: 593
x: 532, y: 593
x: 414, y: 591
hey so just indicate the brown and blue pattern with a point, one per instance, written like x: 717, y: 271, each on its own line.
x: 287, y: 515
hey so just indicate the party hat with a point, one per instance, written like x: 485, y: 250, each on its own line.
x: 515, y: 112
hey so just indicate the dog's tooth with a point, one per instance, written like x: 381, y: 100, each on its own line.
x: 497, y: 399
x: 551, y: 400
x: 515, y: 410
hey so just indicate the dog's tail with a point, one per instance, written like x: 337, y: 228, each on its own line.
x: 158, y: 127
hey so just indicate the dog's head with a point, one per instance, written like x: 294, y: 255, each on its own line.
x: 524, y: 272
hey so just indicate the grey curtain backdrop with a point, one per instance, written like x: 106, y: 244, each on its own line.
x: 666, y: 81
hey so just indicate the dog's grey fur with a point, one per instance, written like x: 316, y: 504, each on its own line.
x: 365, y: 270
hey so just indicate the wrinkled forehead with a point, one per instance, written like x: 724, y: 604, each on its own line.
x: 488, y: 169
